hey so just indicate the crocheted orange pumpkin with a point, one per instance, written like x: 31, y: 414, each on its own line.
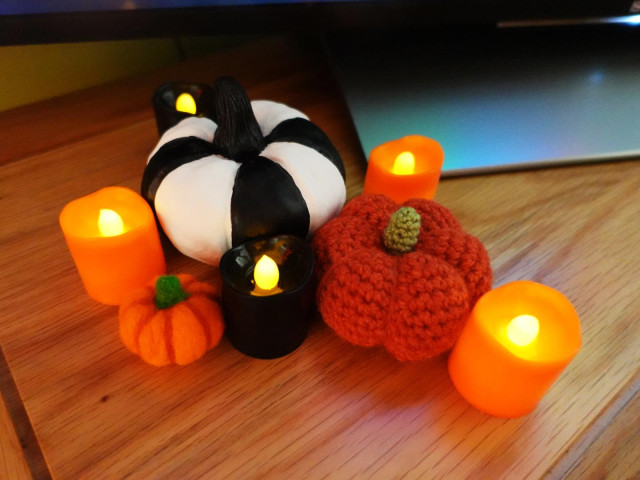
x: 174, y: 319
x: 404, y: 277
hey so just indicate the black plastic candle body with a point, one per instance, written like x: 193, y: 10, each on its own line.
x: 164, y: 103
x: 274, y: 325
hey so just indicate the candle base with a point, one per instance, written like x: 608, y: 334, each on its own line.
x: 111, y: 266
x: 270, y: 326
x: 263, y: 332
x: 478, y: 387
x: 504, y: 379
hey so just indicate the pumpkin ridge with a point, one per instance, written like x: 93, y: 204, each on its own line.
x: 200, y: 316
x: 168, y: 338
x: 391, y: 309
x: 307, y: 133
x: 169, y: 157
x: 146, y: 320
x: 258, y: 211
x: 341, y: 290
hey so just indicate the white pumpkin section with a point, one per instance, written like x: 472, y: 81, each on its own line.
x: 193, y: 202
x: 318, y: 179
x: 269, y: 114
x: 194, y: 211
x: 203, y: 128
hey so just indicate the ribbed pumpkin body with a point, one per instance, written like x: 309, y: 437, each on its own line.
x: 414, y: 303
x: 179, y: 334
x: 207, y: 203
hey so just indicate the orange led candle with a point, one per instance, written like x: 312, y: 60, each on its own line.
x: 516, y: 342
x: 405, y: 168
x: 114, y: 242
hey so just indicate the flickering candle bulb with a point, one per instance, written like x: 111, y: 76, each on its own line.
x: 266, y: 275
x: 114, y: 242
x: 185, y: 103
x: 516, y: 342
x: 267, y: 295
x: 405, y: 168
x: 110, y: 223
x: 523, y: 330
x: 404, y: 164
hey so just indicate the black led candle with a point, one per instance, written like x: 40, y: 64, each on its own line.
x: 164, y: 103
x: 272, y: 323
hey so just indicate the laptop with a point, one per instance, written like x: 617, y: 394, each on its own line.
x: 498, y: 101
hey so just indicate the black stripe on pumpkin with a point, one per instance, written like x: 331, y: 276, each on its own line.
x: 304, y: 132
x: 170, y: 156
x: 266, y: 201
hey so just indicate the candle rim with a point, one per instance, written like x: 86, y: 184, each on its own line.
x: 143, y: 214
x: 428, y: 153
x: 227, y: 260
x: 534, y: 291
x: 167, y: 93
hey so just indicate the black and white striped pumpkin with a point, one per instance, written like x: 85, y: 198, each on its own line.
x: 256, y: 169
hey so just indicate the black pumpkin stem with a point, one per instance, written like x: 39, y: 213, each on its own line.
x: 238, y: 135
x: 169, y: 292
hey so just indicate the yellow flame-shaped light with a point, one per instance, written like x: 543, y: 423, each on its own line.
x: 523, y: 330
x: 185, y: 103
x: 266, y: 273
x: 404, y: 164
x: 110, y: 223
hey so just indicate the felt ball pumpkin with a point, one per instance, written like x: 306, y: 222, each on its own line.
x: 174, y: 319
x: 253, y: 169
x: 400, y: 276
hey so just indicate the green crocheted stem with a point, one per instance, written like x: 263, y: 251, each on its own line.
x: 169, y: 291
x: 401, y: 235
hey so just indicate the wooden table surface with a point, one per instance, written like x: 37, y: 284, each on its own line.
x: 81, y: 406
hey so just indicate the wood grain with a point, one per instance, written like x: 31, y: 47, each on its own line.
x: 29, y: 449
x: 13, y: 464
x: 612, y: 448
x: 328, y: 410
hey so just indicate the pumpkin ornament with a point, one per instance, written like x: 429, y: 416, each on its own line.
x: 254, y: 169
x: 400, y: 276
x: 174, y: 319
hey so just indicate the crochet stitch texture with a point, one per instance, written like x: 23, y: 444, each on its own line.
x: 414, y: 304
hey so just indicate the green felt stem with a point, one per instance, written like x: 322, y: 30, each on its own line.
x: 169, y: 291
x: 401, y: 234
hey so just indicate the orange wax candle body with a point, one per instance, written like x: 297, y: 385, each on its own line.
x: 112, y: 263
x: 420, y: 181
x: 516, y: 342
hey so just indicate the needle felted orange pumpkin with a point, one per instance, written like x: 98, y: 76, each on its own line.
x: 400, y: 276
x: 174, y: 319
